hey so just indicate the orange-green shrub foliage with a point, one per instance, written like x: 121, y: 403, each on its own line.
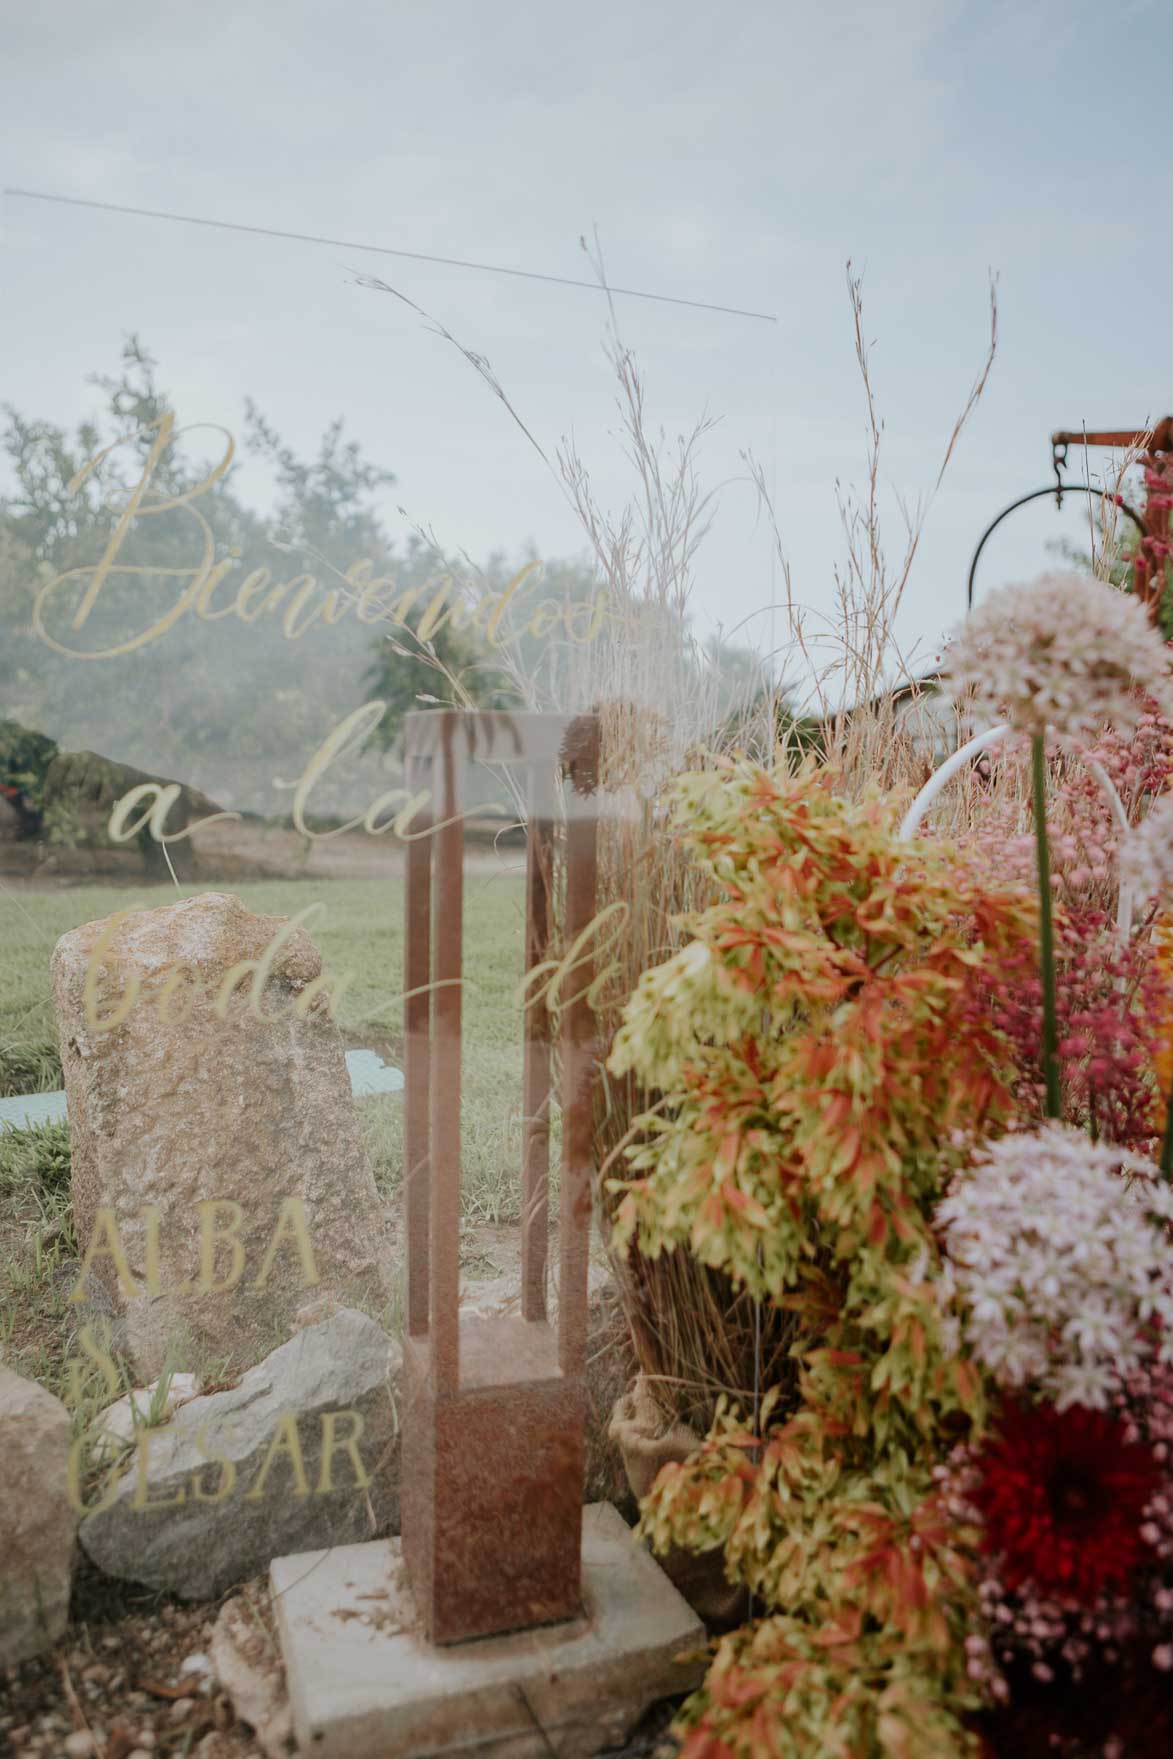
x: 819, y: 1063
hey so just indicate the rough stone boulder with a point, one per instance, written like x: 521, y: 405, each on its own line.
x: 81, y: 789
x: 302, y: 1454
x: 172, y: 1517
x: 73, y: 793
x: 37, y: 1523
x: 219, y: 1177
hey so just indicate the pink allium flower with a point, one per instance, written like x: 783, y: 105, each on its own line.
x: 1067, y: 653
x: 1146, y: 857
x: 1060, y: 1266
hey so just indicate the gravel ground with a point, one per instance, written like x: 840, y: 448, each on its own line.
x: 142, y: 1686
x: 138, y: 1687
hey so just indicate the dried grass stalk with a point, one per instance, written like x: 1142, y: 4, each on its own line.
x: 663, y: 707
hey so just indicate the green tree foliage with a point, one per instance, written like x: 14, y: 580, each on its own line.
x: 25, y: 757
x: 233, y: 707
x: 411, y: 669
x: 324, y: 509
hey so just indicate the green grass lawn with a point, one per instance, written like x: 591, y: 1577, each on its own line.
x: 359, y: 930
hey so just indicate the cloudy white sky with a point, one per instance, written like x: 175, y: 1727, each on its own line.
x: 737, y: 155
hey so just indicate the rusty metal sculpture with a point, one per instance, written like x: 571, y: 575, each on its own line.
x: 494, y: 1409
x: 1151, y: 555
x: 1156, y: 458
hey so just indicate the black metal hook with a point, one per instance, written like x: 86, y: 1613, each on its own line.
x: 1058, y: 460
x: 1061, y: 488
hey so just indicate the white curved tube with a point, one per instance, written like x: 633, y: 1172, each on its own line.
x: 946, y: 773
x: 983, y: 742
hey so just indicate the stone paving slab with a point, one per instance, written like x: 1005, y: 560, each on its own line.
x: 28, y: 1111
x: 364, y: 1684
x: 367, y: 1070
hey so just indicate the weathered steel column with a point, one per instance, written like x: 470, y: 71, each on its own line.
x: 578, y: 1032
x: 535, y: 1173
x: 444, y: 1065
x: 494, y: 1409
x: 417, y: 966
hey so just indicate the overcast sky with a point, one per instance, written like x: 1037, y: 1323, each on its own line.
x: 737, y: 155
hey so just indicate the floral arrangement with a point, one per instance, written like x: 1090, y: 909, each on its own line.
x: 918, y: 1095
x: 1058, y: 1254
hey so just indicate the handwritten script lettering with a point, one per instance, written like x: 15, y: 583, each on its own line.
x: 349, y: 735
x: 301, y: 601
x: 157, y: 799
x: 220, y: 1223
x: 174, y: 990
x: 153, y: 818
x: 339, y: 1434
x: 546, y: 982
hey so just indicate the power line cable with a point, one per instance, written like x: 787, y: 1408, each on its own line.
x: 415, y: 256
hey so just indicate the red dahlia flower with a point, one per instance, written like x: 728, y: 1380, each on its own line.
x: 1062, y: 1496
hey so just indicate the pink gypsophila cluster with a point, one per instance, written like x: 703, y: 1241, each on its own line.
x: 1110, y: 1010
x: 1139, y: 764
x: 1083, y: 832
x: 1111, y: 999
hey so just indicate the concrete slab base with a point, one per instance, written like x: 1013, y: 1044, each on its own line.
x: 363, y: 1683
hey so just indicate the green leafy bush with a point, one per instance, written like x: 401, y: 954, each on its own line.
x: 25, y: 756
